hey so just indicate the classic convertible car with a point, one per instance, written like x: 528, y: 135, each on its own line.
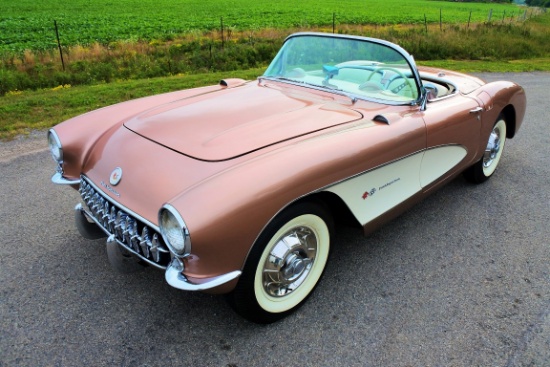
x: 234, y: 188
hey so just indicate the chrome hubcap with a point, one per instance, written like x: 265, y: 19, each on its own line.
x: 492, y: 149
x: 289, y: 262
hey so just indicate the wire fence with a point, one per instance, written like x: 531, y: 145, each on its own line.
x: 226, y: 48
x: 226, y: 32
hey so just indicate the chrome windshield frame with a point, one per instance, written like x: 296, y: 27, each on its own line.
x: 402, y: 52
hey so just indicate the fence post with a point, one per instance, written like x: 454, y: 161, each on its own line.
x: 333, y: 22
x: 469, y: 18
x: 425, y: 23
x: 503, y: 15
x: 440, y: 20
x: 59, y: 44
x: 221, y: 27
x: 490, y: 15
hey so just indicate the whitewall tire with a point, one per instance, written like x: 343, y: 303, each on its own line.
x: 285, y: 264
x: 483, y: 169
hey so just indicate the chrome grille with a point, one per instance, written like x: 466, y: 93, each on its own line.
x: 130, y: 232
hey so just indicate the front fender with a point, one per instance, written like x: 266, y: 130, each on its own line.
x: 227, y: 212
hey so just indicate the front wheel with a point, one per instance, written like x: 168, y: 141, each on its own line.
x: 482, y: 170
x: 285, y: 264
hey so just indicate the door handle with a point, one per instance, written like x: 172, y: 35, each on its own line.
x: 476, y: 110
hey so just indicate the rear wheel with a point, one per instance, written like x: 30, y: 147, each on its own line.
x: 284, y: 265
x: 482, y: 170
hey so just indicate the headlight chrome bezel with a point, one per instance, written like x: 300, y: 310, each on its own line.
x: 56, y: 149
x: 174, y: 231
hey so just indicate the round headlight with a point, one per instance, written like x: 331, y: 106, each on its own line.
x: 174, y: 231
x: 55, y: 146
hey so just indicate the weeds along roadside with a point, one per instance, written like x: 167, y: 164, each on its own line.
x: 210, y: 52
x: 25, y: 111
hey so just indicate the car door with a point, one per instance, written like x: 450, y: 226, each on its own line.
x: 398, y: 148
x: 452, y: 127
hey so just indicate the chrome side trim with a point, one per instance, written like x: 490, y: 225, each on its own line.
x: 58, y: 179
x: 324, y: 189
x: 176, y: 279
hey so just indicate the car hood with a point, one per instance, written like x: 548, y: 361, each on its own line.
x: 232, y: 122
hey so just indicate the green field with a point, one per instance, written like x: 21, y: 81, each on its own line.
x: 28, y: 24
x: 119, y: 50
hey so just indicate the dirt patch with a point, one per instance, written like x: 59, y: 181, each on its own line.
x: 23, y: 145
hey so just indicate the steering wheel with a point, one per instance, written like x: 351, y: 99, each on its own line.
x: 355, y: 65
x: 397, y: 71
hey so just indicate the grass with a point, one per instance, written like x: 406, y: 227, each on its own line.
x: 22, y: 112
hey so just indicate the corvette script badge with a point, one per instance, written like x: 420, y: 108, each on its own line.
x: 116, y: 176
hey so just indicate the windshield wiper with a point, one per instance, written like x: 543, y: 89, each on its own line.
x: 330, y: 87
x: 327, y: 85
x: 282, y: 79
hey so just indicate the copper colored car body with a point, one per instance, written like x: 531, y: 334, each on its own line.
x: 233, y: 188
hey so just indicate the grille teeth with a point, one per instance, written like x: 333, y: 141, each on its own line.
x: 105, y: 218
x: 155, y: 247
x: 128, y: 231
x: 112, y: 219
x: 145, y: 242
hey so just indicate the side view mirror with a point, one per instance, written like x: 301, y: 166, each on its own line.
x: 424, y: 97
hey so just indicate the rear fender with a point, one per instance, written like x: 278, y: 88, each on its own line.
x: 506, y: 98
x: 500, y: 98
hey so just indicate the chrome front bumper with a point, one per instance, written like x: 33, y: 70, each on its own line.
x: 138, y: 237
x: 58, y: 179
x: 176, y: 279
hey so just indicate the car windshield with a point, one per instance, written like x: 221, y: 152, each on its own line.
x: 361, y: 67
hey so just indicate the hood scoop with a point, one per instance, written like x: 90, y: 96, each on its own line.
x: 232, y: 82
x: 237, y: 121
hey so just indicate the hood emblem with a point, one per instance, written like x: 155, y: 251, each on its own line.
x: 116, y: 176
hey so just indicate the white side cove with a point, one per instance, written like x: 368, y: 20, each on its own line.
x: 373, y: 193
x: 438, y: 161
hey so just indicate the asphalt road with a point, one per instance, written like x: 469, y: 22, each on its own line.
x: 462, y: 279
